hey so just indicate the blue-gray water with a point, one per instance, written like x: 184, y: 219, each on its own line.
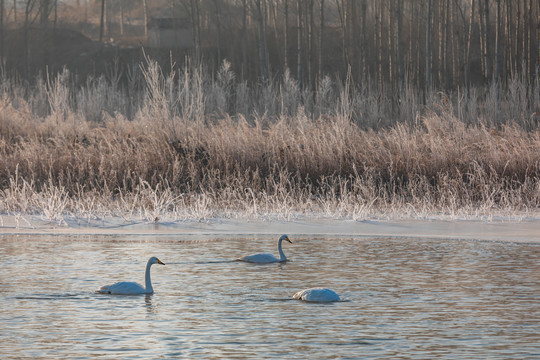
x: 404, y: 299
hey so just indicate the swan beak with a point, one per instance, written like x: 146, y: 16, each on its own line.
x: 289, y: 240
x: 159, y: 262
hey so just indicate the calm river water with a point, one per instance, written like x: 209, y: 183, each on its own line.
x: 403, y: 299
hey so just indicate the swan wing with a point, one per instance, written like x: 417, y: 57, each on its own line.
x: 260, y: 258
x: 317, y: 295
x: 123, y: 288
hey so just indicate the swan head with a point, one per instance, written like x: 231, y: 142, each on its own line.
x: 155, y: 260
x: 285, y: 237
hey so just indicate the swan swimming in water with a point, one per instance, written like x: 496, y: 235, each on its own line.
x: 132, y: 288
x: 268, y: 258
x: 317, y: 295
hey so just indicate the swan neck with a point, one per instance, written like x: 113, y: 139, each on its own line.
x: 280, y: 250
x: 147, y: 279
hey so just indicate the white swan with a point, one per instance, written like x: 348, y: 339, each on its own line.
x: 317, y: 295
x: 268, y: 258
x: 132, y: 288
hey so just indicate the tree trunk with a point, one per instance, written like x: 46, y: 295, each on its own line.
x: 439, y: 20
x: 145, y: 14
x: 531, y: 46
x: 379, y: 44
x: 363, y: 44
x: 102, y: 21
x: 286, y: 34
x: 454, y: 76
x: 398, y: 44
x: 487, y: 67
x: 468, y: 51
x: 342, y: 12
x: 300, y: 64
x: 122, y: 17
x: 262, y: 45
x: 321, y: 42
x: 219, y: 31
x: 309, y: 25
x: 244, y: 40
x: 196, y: 25
x: 447, y: 65
x: 26, y: 35
x: 497, y: 43
x: 428, y: 51
x: 537, y: 17
x: 44, y: 25
x: 390, y: 45
x: 1, y: 29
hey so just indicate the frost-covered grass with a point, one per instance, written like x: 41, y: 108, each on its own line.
x: 185, y: 145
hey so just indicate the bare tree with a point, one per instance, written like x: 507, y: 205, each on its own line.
x: 218, y: 11
x: 530, y: 34
x: 310, y: 25
x: 262, y: 39
x: 428, y: 49
x: 363, y: 43
x: 398, y: 44
x: 196, y: 29
x: 102, y: 20
x: 29, y: 7
x: 321, y: 40
x: 497, y: 43
x: 1, y: 29
x: 145, y: 14
x: 300, y: 64
x: 244, y: 39
x: 468, y: 47
x: 379, y: 42
x: 286, y: 35
x: 341, y: 7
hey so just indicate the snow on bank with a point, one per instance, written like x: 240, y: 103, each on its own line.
x: 527, y: 230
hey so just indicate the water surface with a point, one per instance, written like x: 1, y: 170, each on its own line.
x: 403, y: 298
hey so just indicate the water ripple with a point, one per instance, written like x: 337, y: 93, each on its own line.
x: 402, y: 298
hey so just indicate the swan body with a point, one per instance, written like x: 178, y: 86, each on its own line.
x: 132, y: 288
x: 317, y: 295
x: 264, y: 258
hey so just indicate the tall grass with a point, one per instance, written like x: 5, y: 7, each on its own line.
x: 189, y: 145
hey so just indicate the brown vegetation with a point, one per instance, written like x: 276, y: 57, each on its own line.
x: 181, y: 156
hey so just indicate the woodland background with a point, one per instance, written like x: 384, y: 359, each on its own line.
x: 444, y: 44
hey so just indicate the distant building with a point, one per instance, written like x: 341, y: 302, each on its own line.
x: 169, y: 33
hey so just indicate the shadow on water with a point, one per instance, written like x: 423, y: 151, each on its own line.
x: 201, y: 262
x: 52, y: 297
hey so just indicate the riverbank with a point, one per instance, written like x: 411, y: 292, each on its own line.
x: 525, y: 230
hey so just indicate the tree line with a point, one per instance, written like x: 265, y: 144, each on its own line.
x: 428, y: 44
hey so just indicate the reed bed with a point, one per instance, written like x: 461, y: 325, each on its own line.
x: 185, y: 145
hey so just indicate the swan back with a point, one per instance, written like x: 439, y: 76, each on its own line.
x: 317, y: 295
x: 260, y: 258
x: 123, y: 288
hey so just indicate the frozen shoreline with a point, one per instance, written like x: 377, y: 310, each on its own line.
x: 527, y: 230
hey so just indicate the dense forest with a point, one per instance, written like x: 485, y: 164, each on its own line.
x: 443, y: 44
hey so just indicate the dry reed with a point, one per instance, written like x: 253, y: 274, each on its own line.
x: 199, y: 148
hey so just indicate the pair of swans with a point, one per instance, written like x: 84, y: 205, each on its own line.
x: 309, y: 295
